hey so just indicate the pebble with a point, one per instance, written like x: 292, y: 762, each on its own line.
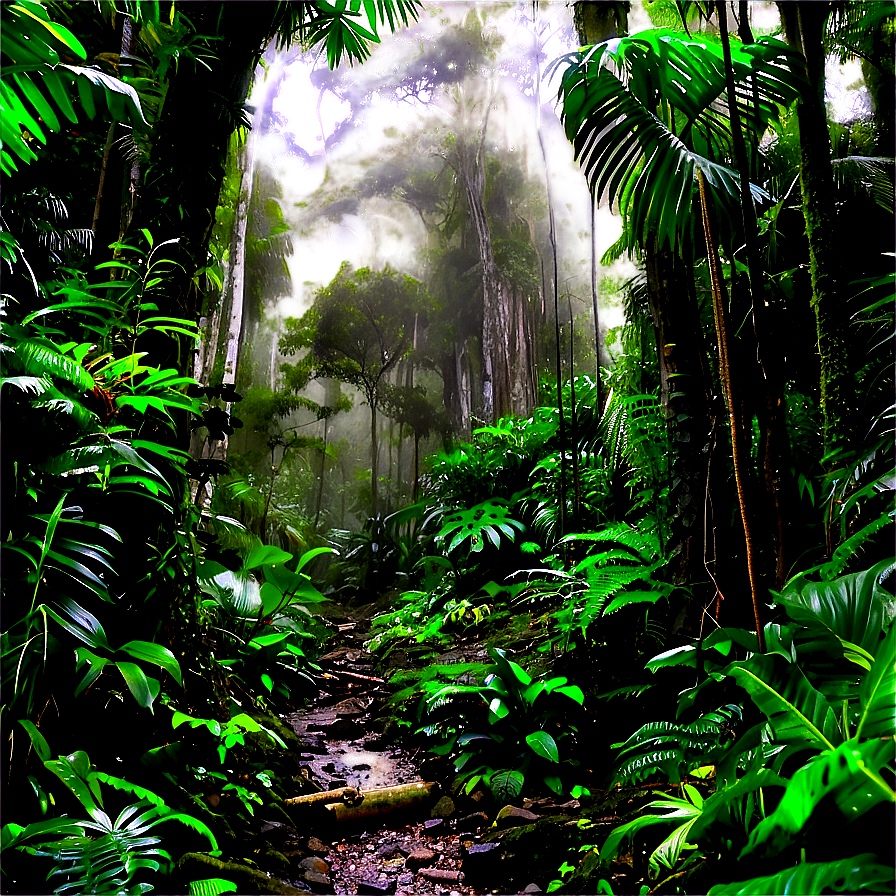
x: 440, y: 874
x: 419, y: 858
x: 318, y: 846
x: 375, y: 887
x: 315, y: 864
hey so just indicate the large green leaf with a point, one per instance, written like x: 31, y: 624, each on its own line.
x: 849, y: 775
x: 506, y: 785
x: 644, y: 113
x: 859, y: 874
x: 238, y: 593
x: 41, y: 358
x: 543, y: 745
x: 853, y: 608
x: 877, y: 692
x: 798, y: 713
x: 154, y: 653
x: 725, y: 803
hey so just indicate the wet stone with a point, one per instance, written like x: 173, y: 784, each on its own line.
x: 434, y: 826
x: 444, y: 808
x: 391, y: 850
x: 320, y: 883
x: 376, y: 887
x: 318, y: 846
x: 405, y: 880
x: 441, y: 874
x: 420, y: 857
x: 343, y: 729
x: 313, y: 863
x: 513, y: 816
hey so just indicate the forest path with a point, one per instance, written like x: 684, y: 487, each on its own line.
x: 345, y: 733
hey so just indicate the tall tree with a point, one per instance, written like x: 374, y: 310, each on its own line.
x: 804, y: 25
x: 643, y: 139
x: 357, y: 331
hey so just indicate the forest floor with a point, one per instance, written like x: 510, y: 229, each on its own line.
x: 445, y: 845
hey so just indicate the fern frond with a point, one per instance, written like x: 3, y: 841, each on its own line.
x: 668, y: 746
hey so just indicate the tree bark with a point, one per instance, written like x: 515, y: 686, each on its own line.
x: 804, y: 27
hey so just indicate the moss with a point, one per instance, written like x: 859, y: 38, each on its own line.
x: 250, y: 881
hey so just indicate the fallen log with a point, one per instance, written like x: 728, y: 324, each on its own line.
x: 348, y: 804
x: 344, y: 794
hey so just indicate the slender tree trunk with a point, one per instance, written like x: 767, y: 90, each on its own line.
x: 323, y: 470
x: 573, y: 421
x: 804, y: 26
x: 114, y: 196
x: 233, y: 293
x: 598, y: 394
x: 739, y: 449
x: 770, y: 403
x: 371, y: 399
x: 552, y: 232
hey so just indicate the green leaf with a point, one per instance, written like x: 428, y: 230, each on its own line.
x: 154, y: 653
x: 877, y: 692
x: 799, y: 714
x: 506, y: 785
x: 41, y: 747
x: 543, y: 745
x: 854, y: 608
x: 859, y: 874
x: 212, y: 886
x: 847, y: 774
x: 265, y: 554
x: 137, y: 683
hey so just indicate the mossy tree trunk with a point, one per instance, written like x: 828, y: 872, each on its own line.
x: 804, y: 26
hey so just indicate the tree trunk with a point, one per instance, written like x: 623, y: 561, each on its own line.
x: 371, y: 400
x: 804, y: 26
x: 323, y: 469
x: 114, y: 196
x: 232, y: 294
x: 203, y: 107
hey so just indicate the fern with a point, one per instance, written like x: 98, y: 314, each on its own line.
x: 105, y: 865
x: 671, y: 747
x: 629, y: 556
x: 849, y: 548
x: 212, y: 886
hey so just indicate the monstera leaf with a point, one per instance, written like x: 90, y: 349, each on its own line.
x: 799, y: 714
x: 645, y: 113
x: 848, y: 775
x: 858, y: 874
x: 853, y: 608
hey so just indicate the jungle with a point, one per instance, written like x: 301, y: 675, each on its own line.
x: 448, y: 447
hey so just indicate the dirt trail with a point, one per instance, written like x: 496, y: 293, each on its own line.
x: 343, y: 745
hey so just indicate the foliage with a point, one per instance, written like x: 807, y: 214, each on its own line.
x: 34, y: 47
x: 528, y: 720
x: 830, y: 709
x: 641, y: 136
x: 109, y: 861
